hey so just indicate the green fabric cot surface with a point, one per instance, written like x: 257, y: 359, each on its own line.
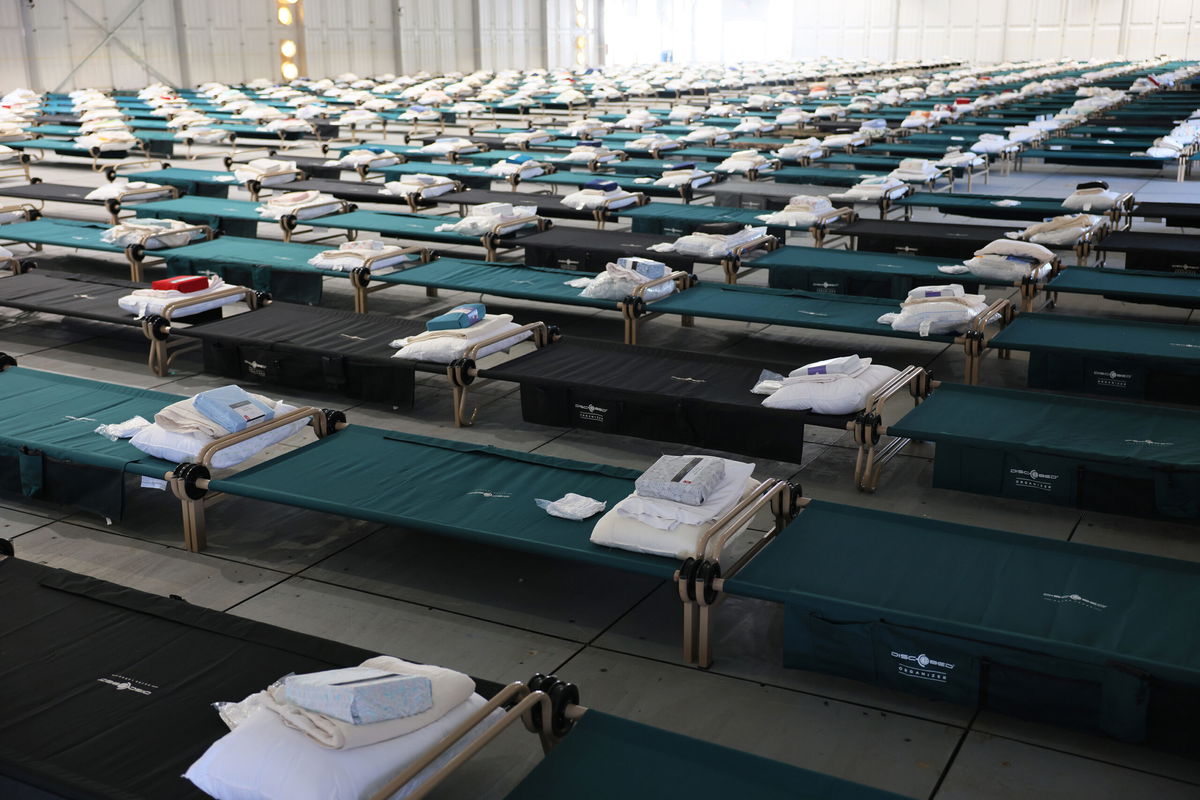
x: 501, y: 280
x: 264, y: 265
x: 64, y: 147
x: 627, y: 182
x: 402, y: 226
x: 1100, y: 336
x: 475, y: 492
x: 787, y: 307
x: 1057, y: 424
x: 1025, y: 625
x: 680, y: 218
x: 977, y: 582
x: 604, y: 757
x: 58, y: 415
x: 1134, y: 285
x: 61, y: 232
x: 234, y: 217
x: 189, y: 181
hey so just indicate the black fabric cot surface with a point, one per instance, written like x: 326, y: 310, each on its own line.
x: 108, y: 691
x: 308, y: 347
x: 1174, y: 252
x: 316, y: 167
x: 354, y: 191
x: 69, y: 294
x: 548, y: 205
x: 922, y: 238
x: 1176, y: 215
x: 657, y: 394
x: 54, y: 192
x: 590, y: 251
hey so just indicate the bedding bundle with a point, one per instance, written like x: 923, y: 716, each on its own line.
x: 599, y: 194
x: 150, y: 233
x: 872, y: 189
x: 836, y: 386
x: 350, y: 255
x: 683, y: 175
x: 181, y: 430
x: 420, y: 185
x: 445, y: 344
x: 365, y: 157
x: 707, y: 133
x: 802, y: 211
x: 289, y: 742
x: 742, y: 162
x: 143, y: 302
x: 143, y: 190
x: 450, y: 144
x: 523, y: 165
x: 267, y: 171
x: 915, y: 169
x: 653, y: 142
x: 936, y: 310
x: 648, y: 522
x: 500, y: 218
x: 302, y: 205
x: 1063, y: 230
x: 710, y: 245
x: 526, y: 138
x: 810, y: 148
x: 620, y: 279
x: 1005, y: 261
x: 586, y: 154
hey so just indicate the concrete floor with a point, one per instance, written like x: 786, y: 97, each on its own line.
x: 504, y: 616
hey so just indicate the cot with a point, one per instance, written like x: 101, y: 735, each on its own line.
x: 590, y: 251
x: 1086, y: 158
x: 199, y: 182
x: 138, y: 648
x: 471, y: 178
x: 678, y: 219
x: 1025, y: 625
x: 548, y: 205
x: 1176, y: 215
x: 230, y: 217
x: 630, y: 183
x: 86, y: 236
x: 41, y: 193
x: 67, y: 148
x: 423, y: 228
x: 1114, y: 358
x: 1133, y: 286
x: 988, y: 206
x: 1170, y: 252
x: 1104, y: 455
x: 823, y: 176
x: 948, y: 240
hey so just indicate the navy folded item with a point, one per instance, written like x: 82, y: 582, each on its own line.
x: 602, y: 185
x: 463, y: 316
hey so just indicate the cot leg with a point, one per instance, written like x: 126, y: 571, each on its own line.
x: 687, y: 321
x: 704, y: 653
x: 689, y: 631
x: 431, y: 291
x: 193, y: 525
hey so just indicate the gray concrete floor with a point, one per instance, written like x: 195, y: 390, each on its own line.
x: 504, y: 616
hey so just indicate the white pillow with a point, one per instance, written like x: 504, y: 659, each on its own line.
x: 843, y: 396
x: 263, y: 759
x: 949, y: 290
x: 180, y: 447
x: 843, y: 365
x: 1014, y: 247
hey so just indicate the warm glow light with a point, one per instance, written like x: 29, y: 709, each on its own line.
x: 288, y: 48
x: 580, y: 42
x: 289, y: 70
x: 285, y: 15
x: 579, y: 58
x: 581, y: 20
x: 290, y: 2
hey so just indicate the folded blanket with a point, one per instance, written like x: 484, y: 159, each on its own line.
x: 421, y: 185
x: 304, y: 205
x: 350, y: 255
x: 143, y: 190
x: 141, y: 302
x: 150, y: 233
x: 488, y: 217
x: 669, y: 514
x: 1061, y: 230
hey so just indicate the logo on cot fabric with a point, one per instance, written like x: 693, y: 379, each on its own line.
x: 1074, y: 599
x: 688, y: 380
x: 123, y: 684
x: 590, y: 412
x: 1149, y: 441
x: 1111, y: 378
x: 256, y: 368
x: 497, y: 495
x: 922, y: 667
x: 825, y: 286
x: 1032, y: 479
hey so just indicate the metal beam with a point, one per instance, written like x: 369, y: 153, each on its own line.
x: 476, y: 36
x: 544, y: 38
x: 181, y: 46
x: 32, y: 70
x: 110, y: 35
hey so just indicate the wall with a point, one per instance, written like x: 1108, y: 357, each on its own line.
x: 64, y: 44
x: 976, y: 30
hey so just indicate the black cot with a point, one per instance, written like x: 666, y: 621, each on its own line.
x: 108, y: 691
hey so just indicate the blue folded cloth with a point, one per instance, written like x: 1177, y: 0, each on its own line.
x: 232, y: 408
x: 360, y: 695
x: 602, y: 185
x: 521, y: 159
x: 463, y: 316
x: 680, y: 165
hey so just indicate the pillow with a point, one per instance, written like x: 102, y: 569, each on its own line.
x: 843, y: 396
x: 844, y: 365
x: 1013, y: 247
x: 949, y: 290
x: 263, y: 759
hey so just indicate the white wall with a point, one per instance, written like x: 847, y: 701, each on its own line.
x: 976, y: 30
x: 186, y: 42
